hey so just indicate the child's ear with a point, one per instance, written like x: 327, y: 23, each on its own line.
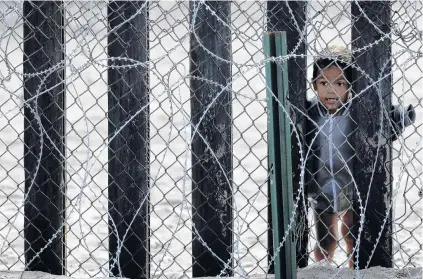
x: 314, y: 85
x: 350, y: 93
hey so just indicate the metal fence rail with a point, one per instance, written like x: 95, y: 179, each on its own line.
x: 133, y: 134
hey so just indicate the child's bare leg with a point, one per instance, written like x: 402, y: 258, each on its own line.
x: 327, y: 235
x: 347, y: 224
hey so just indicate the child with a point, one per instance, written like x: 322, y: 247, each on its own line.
x: 328, y: 183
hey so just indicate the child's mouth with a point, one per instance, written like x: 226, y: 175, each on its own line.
x: 332, y: 101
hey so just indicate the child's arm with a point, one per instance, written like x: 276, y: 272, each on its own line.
x: 402, y: 118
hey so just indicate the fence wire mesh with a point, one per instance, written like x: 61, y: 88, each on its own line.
x: 154, y: 130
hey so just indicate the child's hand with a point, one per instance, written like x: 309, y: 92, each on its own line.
x: 410, y: 116
x: 404, y: 116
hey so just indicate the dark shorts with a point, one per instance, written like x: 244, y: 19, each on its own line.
x: 323, y: 203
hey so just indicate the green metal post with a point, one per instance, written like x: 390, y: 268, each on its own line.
x: 285, y: 152
x: 270, y: 67
x: 279, y: 141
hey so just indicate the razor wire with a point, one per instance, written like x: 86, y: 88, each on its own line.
x: 85, y: 57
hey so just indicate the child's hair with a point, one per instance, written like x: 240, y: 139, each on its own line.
x: 333, y: 55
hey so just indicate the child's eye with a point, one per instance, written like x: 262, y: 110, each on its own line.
x: 324, y: 83
x: 341, y: 84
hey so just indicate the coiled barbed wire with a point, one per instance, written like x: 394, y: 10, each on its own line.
x: 92, y: 158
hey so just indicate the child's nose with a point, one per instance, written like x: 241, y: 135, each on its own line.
x: 330, y: 88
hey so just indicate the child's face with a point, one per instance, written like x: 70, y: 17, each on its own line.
x: 332, y: 88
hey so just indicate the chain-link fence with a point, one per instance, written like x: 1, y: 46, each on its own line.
x: 134, y: 134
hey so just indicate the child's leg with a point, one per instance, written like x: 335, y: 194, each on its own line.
x: 347, y: 224
x: 327, y: 234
